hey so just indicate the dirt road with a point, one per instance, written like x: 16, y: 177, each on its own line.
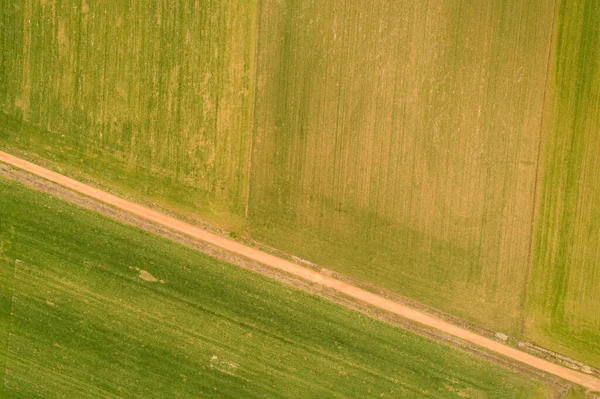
x: 582, y: 379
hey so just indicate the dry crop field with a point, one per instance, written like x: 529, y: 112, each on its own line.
x: 445, y: 151
x: 396, y: 142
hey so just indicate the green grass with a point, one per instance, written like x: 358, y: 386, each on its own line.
x: 83, y: 324
x: 564, y: 291
x: 154, y: 98
x: 396, y: 143
x: 6, y: 291
x: 577, y: 393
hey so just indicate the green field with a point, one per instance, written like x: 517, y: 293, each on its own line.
x: 564, y: 291
x: 155, y: 97
x: 395, y: 142
x: 83, y: 323
x: 411, y: 167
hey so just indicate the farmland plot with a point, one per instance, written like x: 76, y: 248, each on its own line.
x: 396, y: 142
x: 99, y: 309
x: 563, y: 311
x: 150, y: 97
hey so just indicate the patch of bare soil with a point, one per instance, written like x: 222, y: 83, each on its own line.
x: 144, y: 275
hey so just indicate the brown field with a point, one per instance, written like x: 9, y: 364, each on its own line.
x: 411, y: 167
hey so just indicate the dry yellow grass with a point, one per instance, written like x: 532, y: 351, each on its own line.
x: 396, y: 142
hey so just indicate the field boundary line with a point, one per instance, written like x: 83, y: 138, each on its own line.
x: 286, y: 266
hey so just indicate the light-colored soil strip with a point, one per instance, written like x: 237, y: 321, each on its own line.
x: 582, y: 379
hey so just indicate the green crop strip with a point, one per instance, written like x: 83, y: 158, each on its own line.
x: 564, y: 293
x: 105, y: 310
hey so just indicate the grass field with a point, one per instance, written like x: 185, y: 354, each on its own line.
x: 103, y: 310
x: 396, y: 142
x: 155, y: 97
x: 564, y: 294
x: 5, y: 298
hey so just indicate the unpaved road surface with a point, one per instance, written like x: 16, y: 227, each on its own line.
x: 414, y: 315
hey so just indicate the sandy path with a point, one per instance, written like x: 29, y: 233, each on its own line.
x: 585, y: 380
